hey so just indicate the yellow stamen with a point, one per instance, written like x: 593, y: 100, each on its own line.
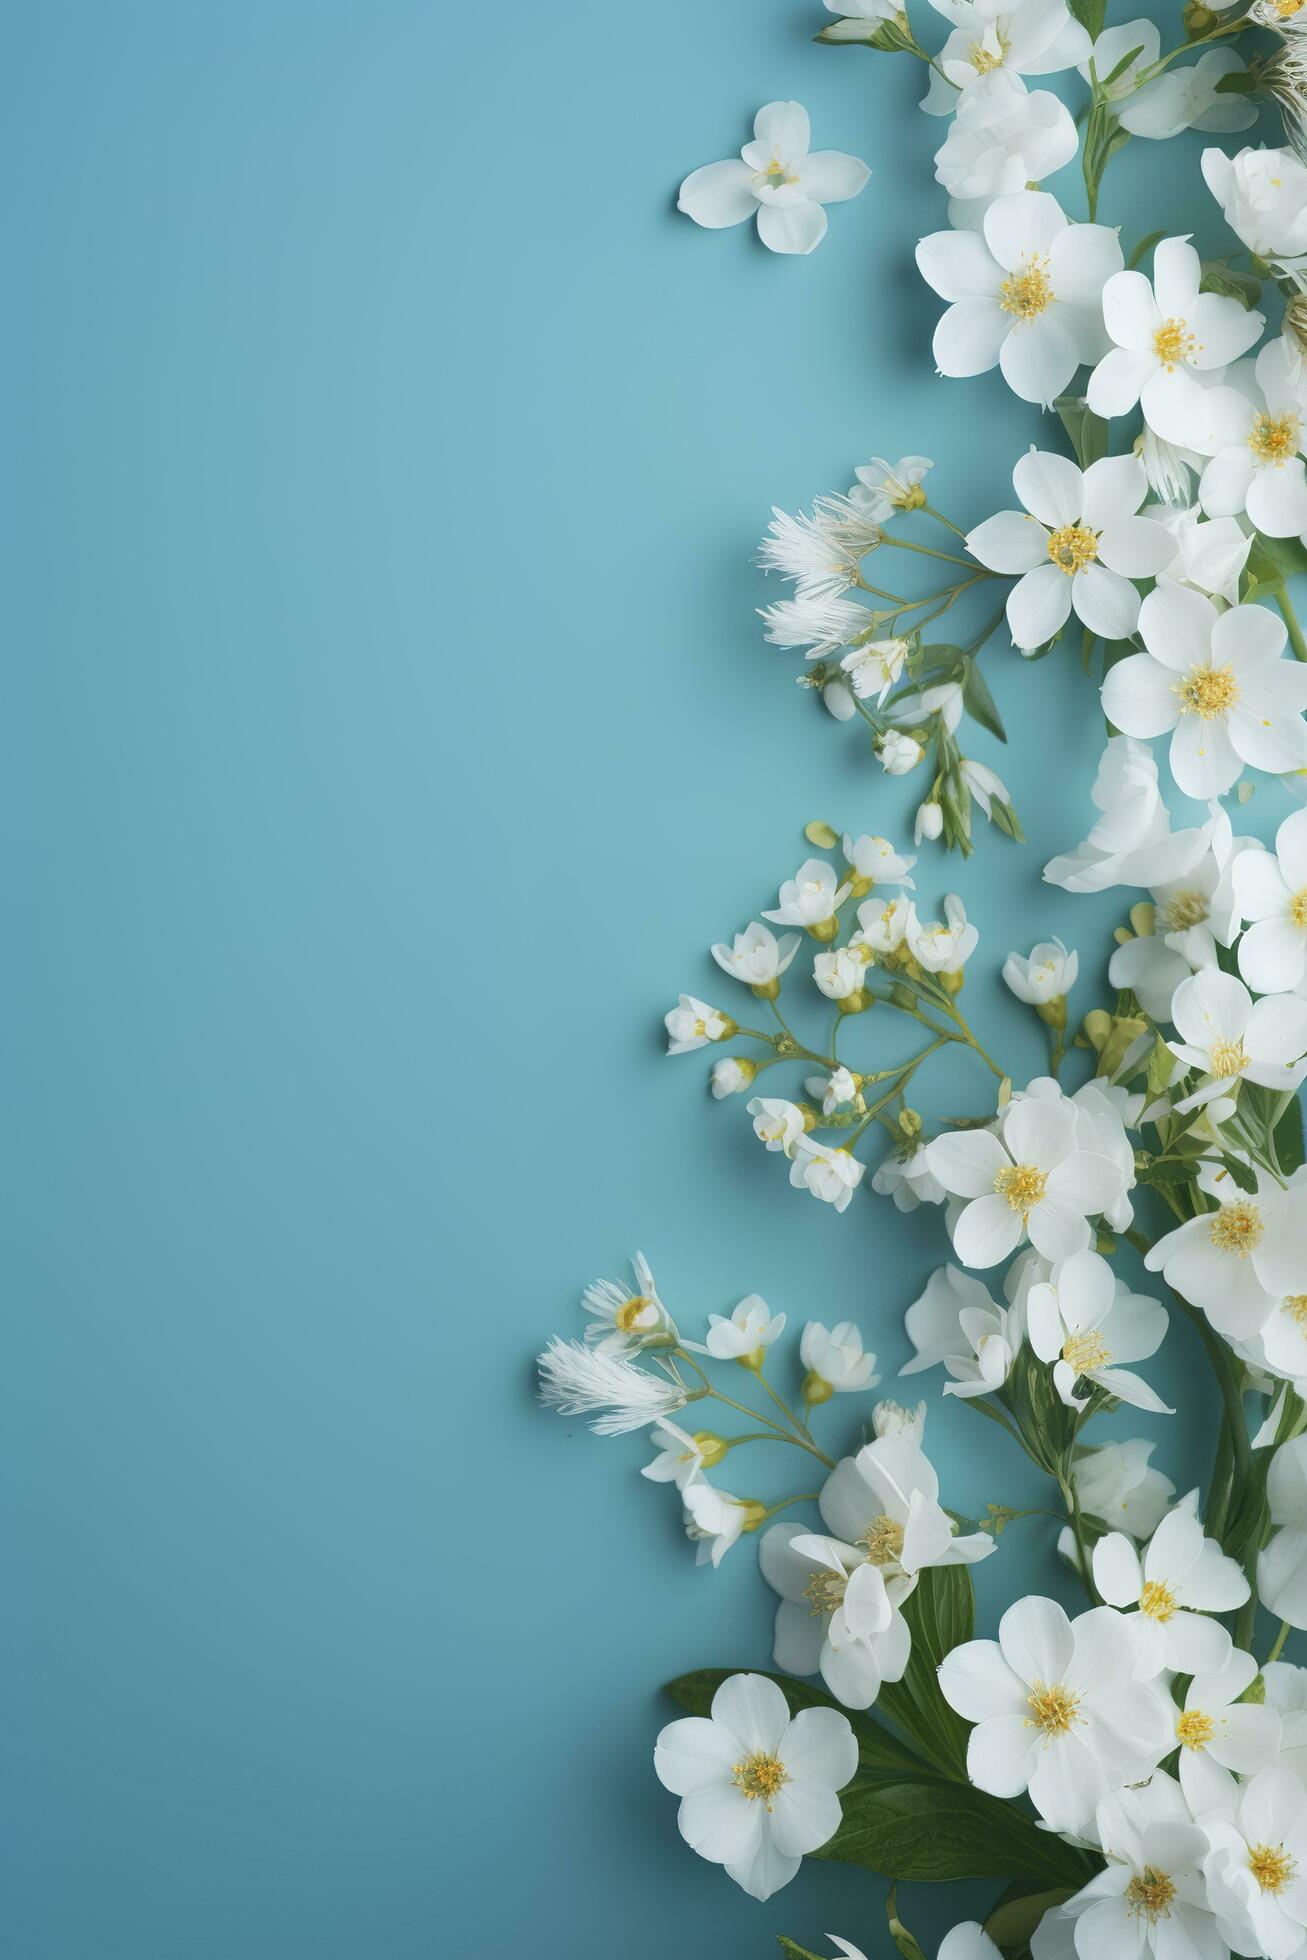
x: 1157, y: 1601
x: 1150, y: 1894
x: 1274, y: 438
x: 628, y: 1314
x: 882, y: 1541
x: 1195, y: 1729
x: 1237, y: 1228
x: 1052, y: 1710
x: 1271, y: 1865
x: 1185, y: 909
x: 1229, y: 1058
x: 1026, y: 294
x: 1072, y: 548
x: 1295, y: 1305
x: 760, y: 1777
x: 1207, y: 692
x: 1298, y: 909
x: 825, y: 1592
x: 1022, y: 1185
x: 1085, y: 1351
x: 1174, y: 342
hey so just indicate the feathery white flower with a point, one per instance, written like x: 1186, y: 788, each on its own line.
x: 819, y: 624
x: 584, y: 1381
x: 875, y: 667
x: 821, y: 553
x: 778, y: 179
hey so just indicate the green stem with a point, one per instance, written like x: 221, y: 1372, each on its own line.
x: 1071, y: 1499
x: 940, y: 518
x: 929, y: 551
x: 1290, y: 617
x: 1277, y: 1646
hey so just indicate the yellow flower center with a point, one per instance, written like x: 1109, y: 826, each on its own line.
x: 1274, y: 438
x: 760, y: 1777
x: 1026, y: 294
x: 882, y: 1541
x: 1052, y: 1710
x: 1271, y: 1865
x: 985, y: 60
x: 1237, y: 1228
x: 1295, y: 1305
x: 1207, y: 692
x: 628, y: 1314
x: 1022, y: 1185
x: 1072, y: 548
x: 1229, y: 1058
x: 825, y: 1592
x: 1085, y: 1351
x: 776, y: 174
x: 1195, y: 1729
x: 1150, y: 1894
x: 1286, y: 9
x: 1157, y: 1601
x: 1173, y: 342
x: 1298, y: 908
x: 1185, y: 909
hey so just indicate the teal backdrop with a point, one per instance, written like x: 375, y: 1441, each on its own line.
x: 387, y: 735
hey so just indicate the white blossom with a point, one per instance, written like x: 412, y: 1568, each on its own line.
x: 1263, y: 194
x: 756, y: 956
x: 692, y: 1024
x: 1047, y: 974
x: 835, y: 1361
x: 577, y: 1380
x: 748, y: 1333
x: 829, y: 1174
x: 779, y: 179
x: 1175, y: 1583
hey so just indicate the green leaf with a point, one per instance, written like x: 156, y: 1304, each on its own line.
x: 1239, y: 1173
x: 979, y: 702
x: 941, y: 1615
x: 928, y: 1832
x: 1222, y: 279
x: 1241, y: 82
x: 1272, y: 560
x: 1015, y: 1917
x: 1088, y: 432
x: 879, y: 1752
x: 1289, y: 1138
x: 1091, y: 14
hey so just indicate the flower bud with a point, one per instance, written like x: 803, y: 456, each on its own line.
x: 953, y: 982
x: 1097, y: 1026
x: 815, y: 1389
x: 754, y: 1513
x: 930, y: 821
x: 1053, y: 1012
x: 910, y: 1122
x: 732, y: 1075
x: 855, y: 1003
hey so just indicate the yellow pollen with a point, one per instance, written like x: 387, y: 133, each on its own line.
x: 1274, y: 438
x: 1021, y: 1184
x: 825, y: 1591
x: 1085, y: 1351
x: 1237, y: 1228
x: 1072, y: 548
x: 1173, y: 342
x: 1207, y: 692
x: 1052, y: 1710
x: 1298, y: 909
x: 1194, y: 1729
x: 1185, y: 909
x: 1157, y: 1601
x: 1286, y: 9
x: 1150, y: 1894
x: 882, y: 1541
x: 1026, y: 294
x: 628, y: 1314
x: 1271, y: 1865
x: 1295, y: 1305
x: 1229, y: 1058
x: 760, y: 1777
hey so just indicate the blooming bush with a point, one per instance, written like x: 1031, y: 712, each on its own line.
x: 1135, y: 1774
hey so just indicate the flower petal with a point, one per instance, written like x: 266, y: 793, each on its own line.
x: 831, y: 176
x: 792, y: 228
x: 718, y: 195
x: 1038, y: 605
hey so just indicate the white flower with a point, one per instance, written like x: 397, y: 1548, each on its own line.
x: 969, y: 1941
x: 883, y: 927
x: 1047, y: 975
x: 1257, y: 1851
x: 1191, y: 915
x: 831, y: 1175
x: 1259, y: 435
x: 756, y: 956
x: 1139, y: 39
x: 1263, y: 194
x: 750, y: 1330
x: 1102, y: 1111
x: 779, y: 179
x: 1209, y: 554
x: 584, y: 1381
x: 1057, y: 1709
x: 839, y: 975
x: 1132, y: 842
x: 1025, y: 294
x: 776, y: 1122
x: 906, y: 1177
x: 883, y: 1505
x: 1002, y: 139
x: 732, y: 1076
x: 624, y: 1318
x: 1085, y: 1323
x: 930, y: 822
x: 985, y: 786
x: 955, y: 1321
x: 1189, y: 98
x: 1027, y: 1179
x: 1271, y: 891
x: 1080, y: 546
x: 1167, y: 332
x: 680, y: 1459
x: 882, y: 488
x: 1237, y: 1262
x: 1180, y: 1578
x: 692, y: 1024
x: 821, y: 553
x: 1116, y: 1482
x: 874, y: 668
x: 897, y: 752
x: 896, y: 1419
x: 835, y: 1361
x: 817, y: 623
x: 757, y: 1788
x: 1216, y: 680
x: 1218, y: 1732
x: 837, y: 700
x: 873, y: 861
x: 833, y: 1091
x: 1150, y: 1899
x: 836, y: 1617
x: 1231, y: 1038
x: 942, y: 946
x: 810, y: 898
x: 714, y: 1519
x: 1282, y: 1564
x: 1286, y: 1693
x: 1022, y: 37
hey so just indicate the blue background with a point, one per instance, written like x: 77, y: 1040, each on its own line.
x: 387, y: 735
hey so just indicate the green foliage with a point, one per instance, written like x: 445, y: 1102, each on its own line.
x: 886, y: 36
x: 1273, y: 560
x: 1017, y: 1914
x: 907, y: 1945
x: 979, y: 702
x: 1289, y: 1138
x: 1091, y: 14
x: 1222, y: 279
x: 1088, y: 432
x: 929, y: 1832
x: 793, y: 1951
x: 941, y: 1615
x: 879, y: 1752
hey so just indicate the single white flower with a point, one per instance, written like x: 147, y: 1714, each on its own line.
x: 757, y: 1789
x: 1057, y: 1709
x: 836, y: 1617
x: 1231, y: 1038
x: 732, y: 1076
x: 625, y: 1318
x: 776, y: 1123
x: 692, y: 1024
x: 831, y: 1175
x: 1237, y: 1262
x: 906, y: 1177
x: 897, y: 752
x: 577, y: 1380
x: 954, y: 1321
x: 1102, y: 1112
x: 1270, y: 889
x: 1002, y: 139
x: 1282, y: 1563
x: 1150, y: 1900
x: 1263, y: 194
x: 1048, y: 974
x: 883, y: 927
x: 756, y: 956
x: 816, y: 622
x: 1259, y: 436
x: 1116, y: 1483
x: 1025, y: 294
x: 1078, y: 545
x: 1189, y: 98
x: 834, y: 1091
x: 839, y: 975
x: 1210, y: 553
x: 883, y: 1506
x: 1258, y: 1849
x: 882, y: 488
x: 1019, y: 37
x: 748, y: 1333
x: 896, y: 1419
x: 1218, y: 1733
x: 929, y: 822
x: 779, y: 179
x: 942, y: 946
x: 1027, y: 1178
x: 1132, y: 842
x: 873, y: 669
x: 822, y: 553
x: 985, y: 786
x: 1217, y: 683
x: 1086, y: 1324
x: 1192, y: 916
x: 873, y: 861
x: 1166, y: 333
x: 715, y: 1520
x: 1179, y: 1579
x: 942, y: 698
x: 679, y: 1459
x: 811, y: 899
x: 834, y: 1359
